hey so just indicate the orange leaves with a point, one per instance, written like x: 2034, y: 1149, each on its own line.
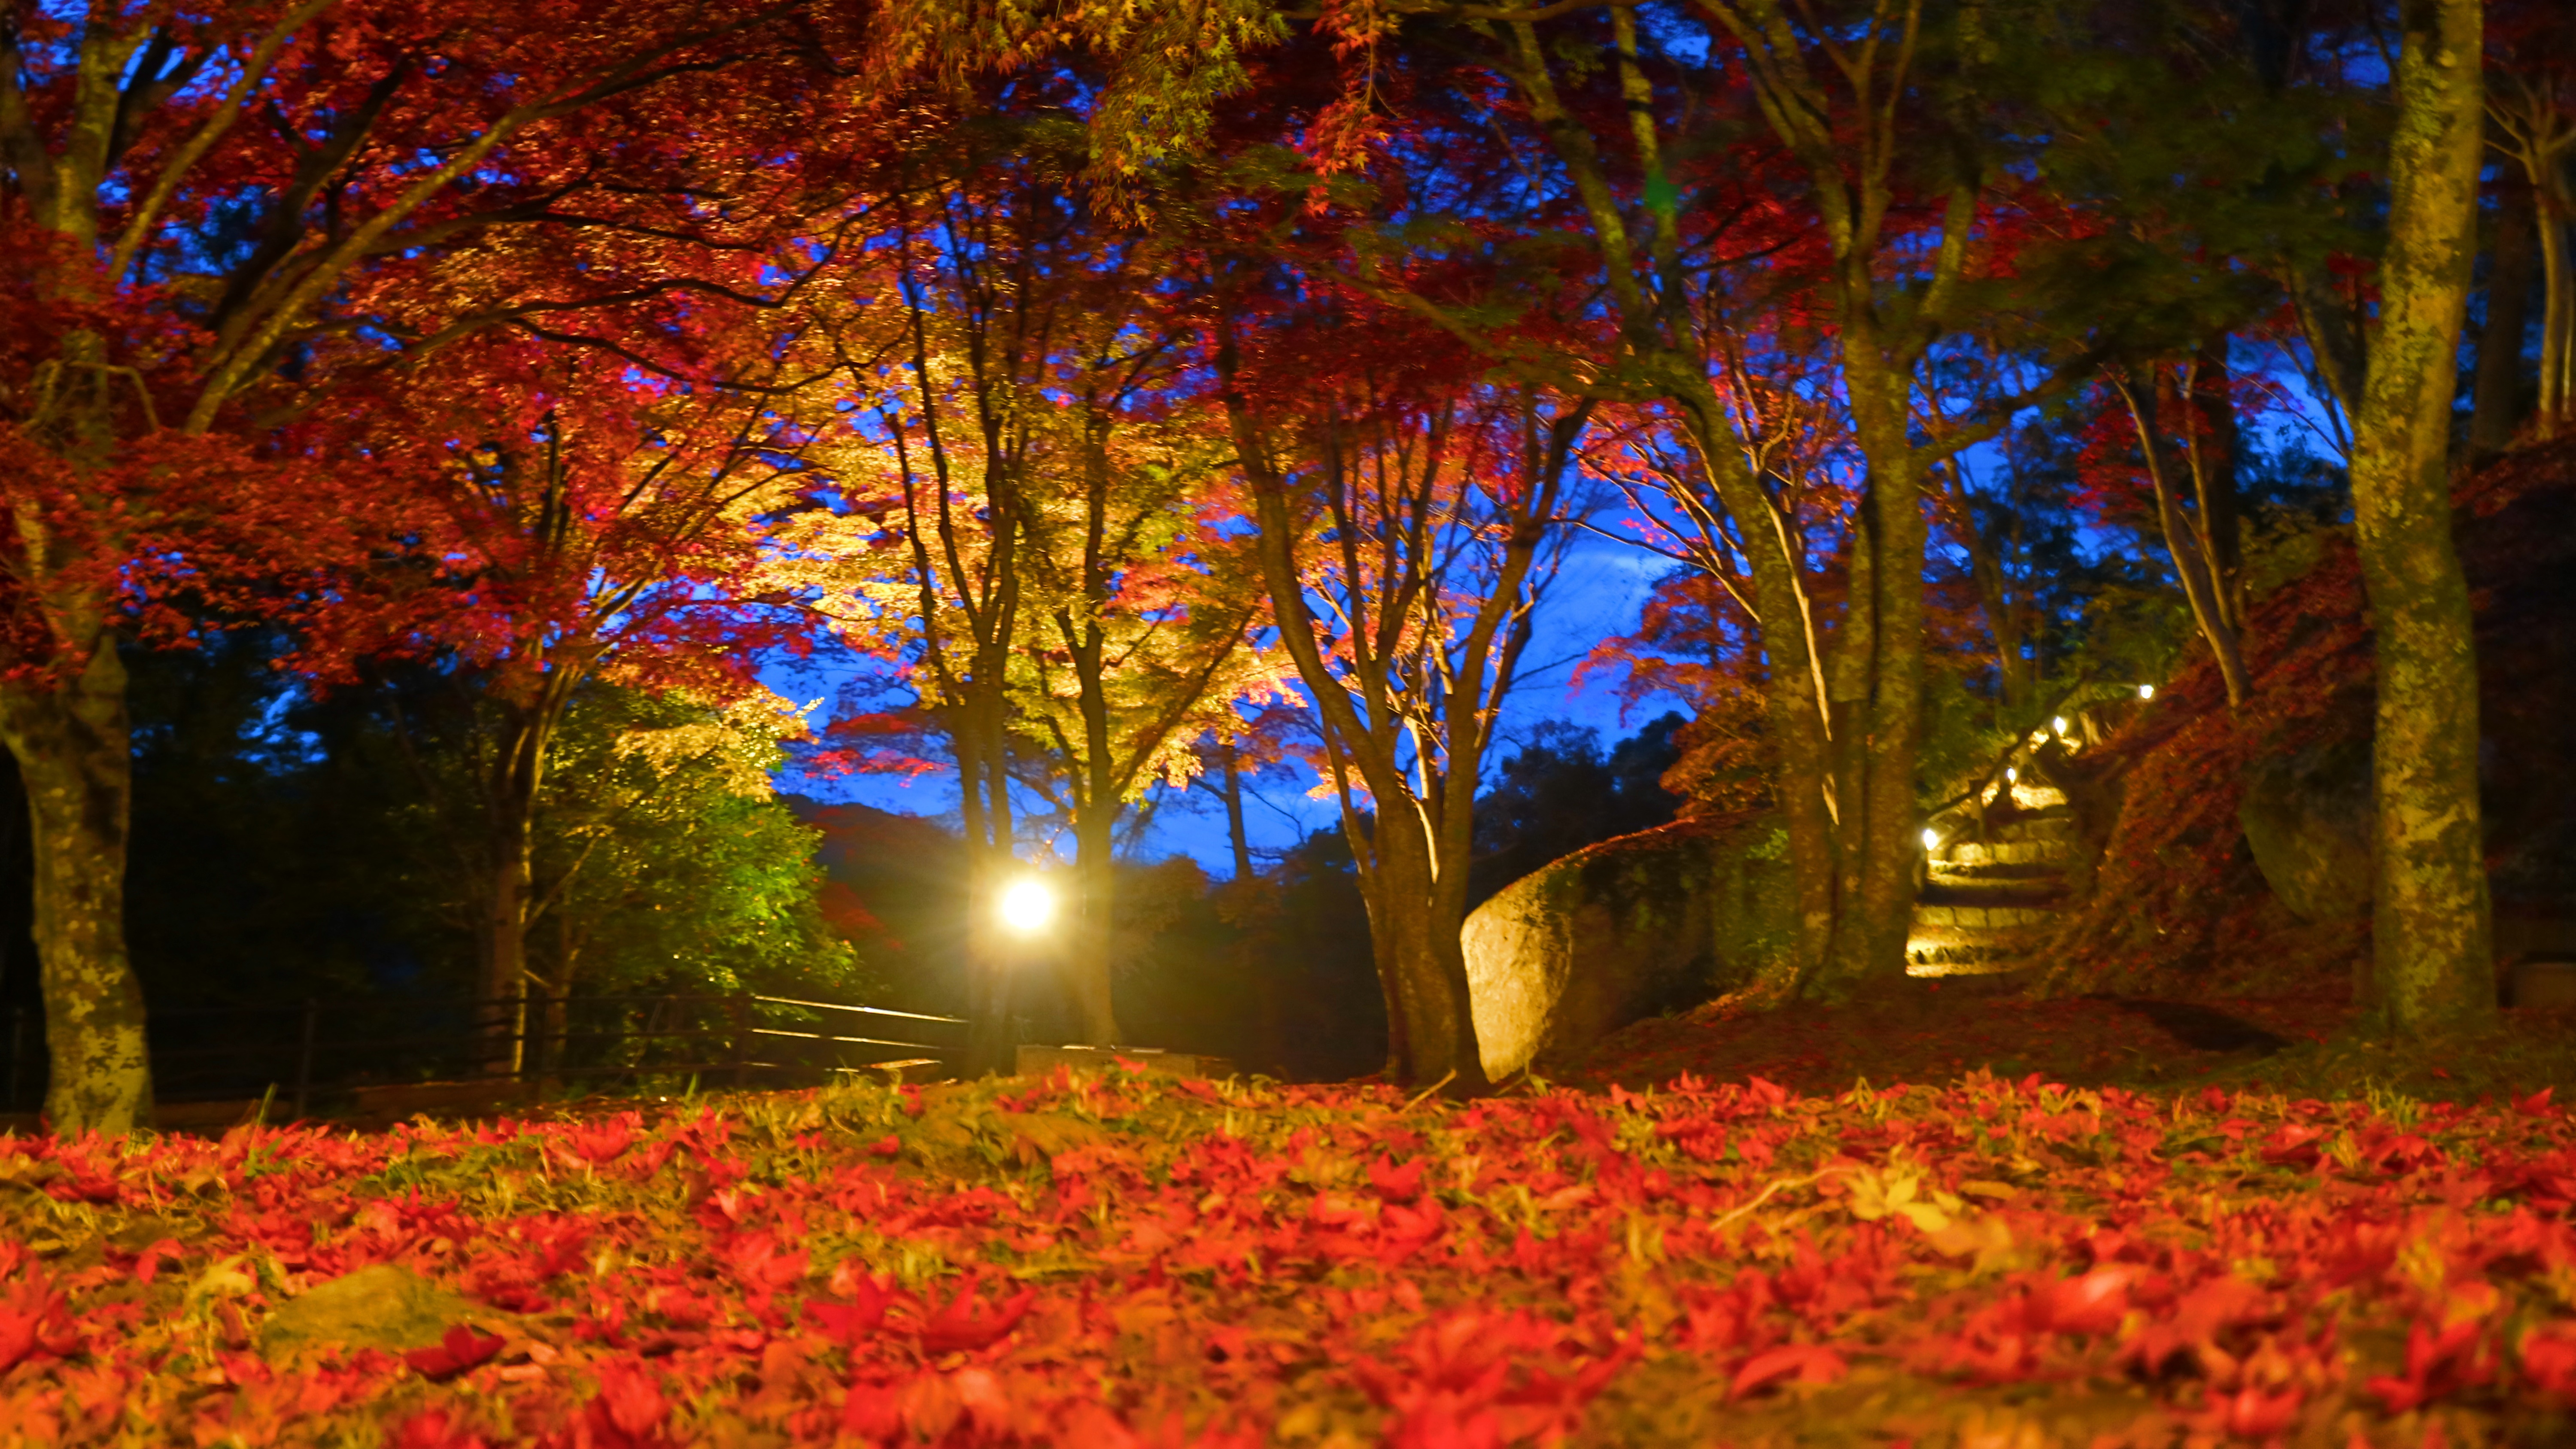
x: 436, y: 1429
x: 2295, y: 1145
x: 2193, y: 1324
x: 2549, y: 1360
x: 1397, y: 1184
x: 1805, y: 1363
x: 851, y: 1324
x: 461, y: 1349
x: 628, y: 1411
x: 2251, y: 1413
x: 760, y: 1263
x: 2440, y: 1361
x: 603, y: 1142
x: 1468, y: 1379
x: 2090, y: 1303
x: 32, y: 1321
x: 967, y: 1323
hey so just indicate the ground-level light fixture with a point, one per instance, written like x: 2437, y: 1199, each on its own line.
x: 1026, y: 905
x: 2012, y: 776
x: 2058, y: 724
x: 2146, y: 691
x: 1931, y: 840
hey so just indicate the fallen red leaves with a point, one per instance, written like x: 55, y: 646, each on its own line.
x: 1129, y: 1262
x: 1940, y: 1030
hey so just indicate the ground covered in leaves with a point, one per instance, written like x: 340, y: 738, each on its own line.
x: 2302, y: 1045
x: 1095, y: 1262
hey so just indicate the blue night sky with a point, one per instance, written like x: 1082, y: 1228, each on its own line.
x: 1598, y: 596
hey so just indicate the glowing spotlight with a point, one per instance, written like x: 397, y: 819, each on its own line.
x: 2058, y: 724
x: 2012, y: 776
x: 2146, y: 691
x: 1027, y: 905
x: 1931, y: 840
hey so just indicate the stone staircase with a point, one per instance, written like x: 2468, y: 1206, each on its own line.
x: 1988, y: 902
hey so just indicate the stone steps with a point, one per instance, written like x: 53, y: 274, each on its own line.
x: 1952, y: 873
x: 2025, y: 887
x: 2010, y: 852
x: 2031, y: 896
x: 1983, y: 917
x: 1954, y: 951
x: 1987, y: 904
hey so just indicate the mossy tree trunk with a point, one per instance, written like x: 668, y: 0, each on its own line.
x: 63, y: 714
x: 75, y: 754
x: 1876, y: 679
x: 2431, y: 930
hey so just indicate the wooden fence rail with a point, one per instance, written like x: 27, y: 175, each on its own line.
x: 297, y: 1054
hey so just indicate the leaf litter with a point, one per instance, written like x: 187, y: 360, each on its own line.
x: 1132, y: 1260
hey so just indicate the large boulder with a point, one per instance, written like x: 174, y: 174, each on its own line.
x: 1629, y: 928
x: 2307, y: 819
x: 383, y: 1306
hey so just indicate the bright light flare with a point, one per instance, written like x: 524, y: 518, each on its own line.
x: 1931, y: 840
x: 1027, y: 905
x: 2146, y: 691
x: 2058, y: 724
x: 2012, y: 776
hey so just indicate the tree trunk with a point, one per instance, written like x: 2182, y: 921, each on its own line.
x: 509, y: 886
x: 2557, y: 210
x: 1414, y: 933
x: 2184, y: 545
x: 2217, y: 446
x: 75, y: 755
x: 2015, y: 680
x: 1888, y: 843
x: 1235, y: 834
x: 1099, y: 797
x: 991, y: 956
x: 1413, y: 926
x: 1089, y: 950
x: 2431, y: 938
x: 502, y: 1008
x: 1876, y: 676
x: 2497, y: 404
x: 991, y: 1037
x: 556, y: 1029
x: 1795, y: 693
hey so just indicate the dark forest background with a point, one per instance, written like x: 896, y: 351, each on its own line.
x: 293, y: 847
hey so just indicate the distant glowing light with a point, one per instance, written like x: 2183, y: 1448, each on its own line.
x: 1931, y: 840
x: 1027, y: 905
x: 2012, y: 776
x: 2146, y: 691
x: 2058, y: 724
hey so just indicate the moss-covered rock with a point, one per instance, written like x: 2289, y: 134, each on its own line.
x: 1646, y: 923
x: 384, y: 1306
x: 2307, y: 820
